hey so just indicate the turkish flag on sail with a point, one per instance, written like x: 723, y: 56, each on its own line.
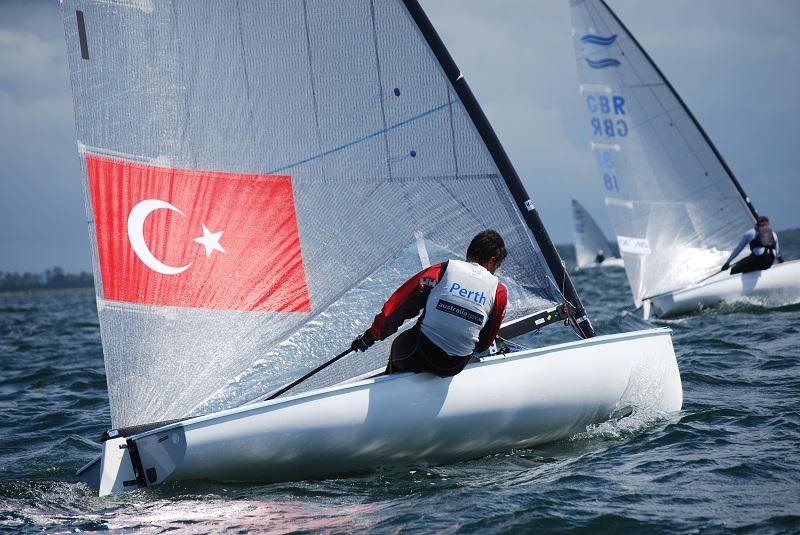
x: 199, y: 239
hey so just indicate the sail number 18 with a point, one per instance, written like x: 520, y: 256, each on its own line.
x: 606, y: 162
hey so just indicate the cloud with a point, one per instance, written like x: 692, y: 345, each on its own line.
x: 29, y: 64
x: 41, y: 202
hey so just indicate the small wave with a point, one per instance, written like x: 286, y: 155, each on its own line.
x: 634, y: 424
x: 700, y: 378
x: 16, y: 310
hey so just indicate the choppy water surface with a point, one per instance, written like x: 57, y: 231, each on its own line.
x: 727, y: 462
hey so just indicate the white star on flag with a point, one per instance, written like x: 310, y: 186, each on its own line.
x: 210, y: 240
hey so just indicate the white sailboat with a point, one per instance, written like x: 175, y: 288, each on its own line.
x: 591, y: 245
x: 675, y: 205
x: 259, y: 176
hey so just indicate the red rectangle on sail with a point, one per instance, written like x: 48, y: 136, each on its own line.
x: 198, y: 239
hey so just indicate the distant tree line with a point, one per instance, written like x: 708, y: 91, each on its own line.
x: 52, y: 278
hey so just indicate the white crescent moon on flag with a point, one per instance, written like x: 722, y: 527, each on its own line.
x: 136, y: 236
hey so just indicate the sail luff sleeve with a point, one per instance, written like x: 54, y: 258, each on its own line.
x: 524, y: 203
x: 694, y: 120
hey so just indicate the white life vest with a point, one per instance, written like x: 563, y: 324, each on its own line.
x: 458, y: 307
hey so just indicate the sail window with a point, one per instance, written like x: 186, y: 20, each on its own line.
x: 82, y: 34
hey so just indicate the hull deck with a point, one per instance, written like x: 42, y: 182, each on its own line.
x: 774, y: 287
x: 503, y: 402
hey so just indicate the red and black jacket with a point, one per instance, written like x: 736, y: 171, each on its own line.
x: 409, y: 300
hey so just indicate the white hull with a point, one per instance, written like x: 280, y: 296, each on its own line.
x: 776, y: 286
x: 513, y: 401
x: 608, y: 262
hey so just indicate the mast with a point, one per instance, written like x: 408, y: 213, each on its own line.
x: 512, y: 180
x: 707, y: 139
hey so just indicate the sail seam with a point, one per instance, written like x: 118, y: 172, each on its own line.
x: 452, y: 128
x: 243, y: 57
x: 313, y: 85
x: 179, y: 62
x: 380, y: 87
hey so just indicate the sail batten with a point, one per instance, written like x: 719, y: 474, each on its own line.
x: 674, y: 203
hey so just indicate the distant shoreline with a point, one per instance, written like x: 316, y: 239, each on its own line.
x: 22, y: 293
x: 49, y: 279
x: 57, y: 279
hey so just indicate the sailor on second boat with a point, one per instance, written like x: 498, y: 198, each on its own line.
x: 764, y: 249
x: 600, y: 257
x: 462, y: 304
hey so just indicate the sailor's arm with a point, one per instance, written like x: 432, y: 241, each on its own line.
x: 492, y: 327
x: 405, y: 303
x: 746, y: 238
x: 777, y: 247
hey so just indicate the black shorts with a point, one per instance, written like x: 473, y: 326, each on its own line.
x: 413, y: 352
x: 754, y: 263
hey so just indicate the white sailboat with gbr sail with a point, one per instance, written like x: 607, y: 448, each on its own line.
x: 676, y: 207
x: 258, y: 176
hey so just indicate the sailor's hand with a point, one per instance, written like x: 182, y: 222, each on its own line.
x: 725, y: 267
x: 363, y: 342
x: 780, y: 260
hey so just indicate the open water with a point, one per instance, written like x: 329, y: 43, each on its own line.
x: 729, y: 462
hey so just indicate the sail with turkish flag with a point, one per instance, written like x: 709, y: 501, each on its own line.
x: 259, y: 176
x: 148, y: 219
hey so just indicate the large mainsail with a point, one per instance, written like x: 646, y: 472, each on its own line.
x: 260, y: 174
x: 675, y: 205
x: 589, y: 239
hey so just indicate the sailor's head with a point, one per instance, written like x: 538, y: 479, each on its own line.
x: 488, y: 249
x: 600, y: 252
x: 762, y: 221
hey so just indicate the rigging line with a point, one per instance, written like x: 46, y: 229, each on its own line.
x: 514, y: 345
x: 360, y: 140
x: 692, y: 194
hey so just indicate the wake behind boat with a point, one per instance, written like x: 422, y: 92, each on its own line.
x: 257, y: 177
x: 676, y: 207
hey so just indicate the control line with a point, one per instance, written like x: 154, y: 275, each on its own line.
x: 360, y: 140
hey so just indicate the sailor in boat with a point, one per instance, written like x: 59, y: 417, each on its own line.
x: 600, y: 257
x: 764, y: 249
x: 462, y: 305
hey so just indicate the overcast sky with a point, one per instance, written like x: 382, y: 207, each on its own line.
x: 736, y: 63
